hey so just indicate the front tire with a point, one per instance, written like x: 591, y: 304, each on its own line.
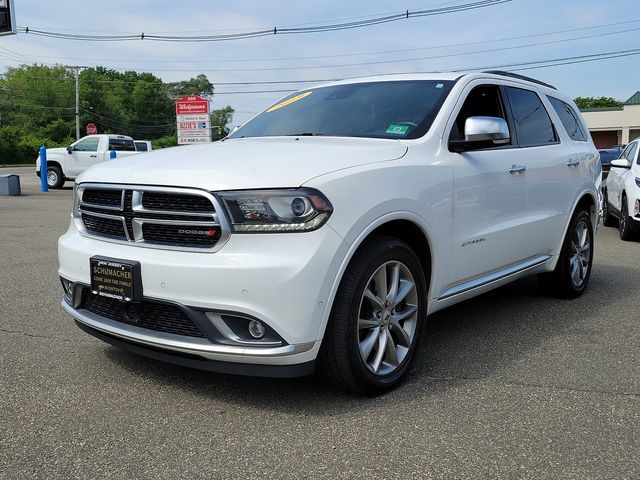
x: 55, y: 178
x: 626, y: 223
x: 573, y: 270
x: 376, y: 319
x: 608, y: 220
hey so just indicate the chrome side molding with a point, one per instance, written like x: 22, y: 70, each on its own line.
x: 494, y: 277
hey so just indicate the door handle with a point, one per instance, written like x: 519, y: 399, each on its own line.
x: 93, y: 156
x: 574, y: 162
x: 516, y: 169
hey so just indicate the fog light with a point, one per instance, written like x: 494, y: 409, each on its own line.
x: 256, y: 329
x: 67, y: 286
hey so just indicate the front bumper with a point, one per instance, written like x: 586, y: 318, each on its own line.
x: 282, y: 280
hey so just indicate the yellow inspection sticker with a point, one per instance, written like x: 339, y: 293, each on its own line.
x: 289, y: 101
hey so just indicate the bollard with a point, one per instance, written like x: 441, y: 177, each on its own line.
x: 112, y: 154
x: 44, y: 186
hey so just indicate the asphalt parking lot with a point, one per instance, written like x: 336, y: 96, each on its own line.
x: 511, y: 384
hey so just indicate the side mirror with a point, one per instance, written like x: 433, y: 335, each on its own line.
x: 621, y: 163
x: 69, y: 149
x: 482, y: 132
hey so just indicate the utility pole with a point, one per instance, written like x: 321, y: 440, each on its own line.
x: 77, y: 70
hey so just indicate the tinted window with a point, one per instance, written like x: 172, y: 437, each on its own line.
x: 141, y: 146
x: 569, y: 120
x: 121, y: 144
x: 606, y: 155
x: 402, y: 109
x: 87, y: 145
x: 482, y: 101
x: 533, y: 125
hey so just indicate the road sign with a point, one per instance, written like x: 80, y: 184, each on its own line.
x: 192, y: 104
x: 92, y: 129
x: 193, y: 117
x: 7, y: 18
x: 193, y: 122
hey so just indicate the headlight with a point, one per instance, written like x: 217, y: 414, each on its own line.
x: 273, y: 211
x: 638, y: 181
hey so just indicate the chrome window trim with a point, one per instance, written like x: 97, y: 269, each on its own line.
x: 219, y: 219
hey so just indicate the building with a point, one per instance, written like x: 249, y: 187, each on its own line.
x: 614, y: 125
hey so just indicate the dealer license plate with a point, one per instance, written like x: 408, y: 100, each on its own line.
x: 117, y: 279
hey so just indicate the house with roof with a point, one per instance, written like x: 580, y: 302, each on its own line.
x: 614, y: 125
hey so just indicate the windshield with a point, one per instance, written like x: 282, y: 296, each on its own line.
x: 395, y: 109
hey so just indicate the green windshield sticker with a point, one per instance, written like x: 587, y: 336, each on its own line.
x: 397, y: 129
x: 439, y: 85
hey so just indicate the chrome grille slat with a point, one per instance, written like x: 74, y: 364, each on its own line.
x: 174, y: 225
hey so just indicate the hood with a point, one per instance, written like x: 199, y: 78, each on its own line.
x: 57, y: 151
x: 245, y: 163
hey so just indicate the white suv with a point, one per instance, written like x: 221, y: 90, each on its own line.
x: 322, y: 233
x: 621, y: 205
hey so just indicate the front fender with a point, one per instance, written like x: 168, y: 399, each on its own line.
x: 53, y: 157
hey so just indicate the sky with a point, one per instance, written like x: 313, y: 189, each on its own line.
x: 460, y: 40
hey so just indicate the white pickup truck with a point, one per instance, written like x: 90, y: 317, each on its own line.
x: 67, y: 163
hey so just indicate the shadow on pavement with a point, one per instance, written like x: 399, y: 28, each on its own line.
x: 469, y: 341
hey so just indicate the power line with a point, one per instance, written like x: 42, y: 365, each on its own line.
x: 402, y: 60
x: 352, y: 54
x: 269, y: 32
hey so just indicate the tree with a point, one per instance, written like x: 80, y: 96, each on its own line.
x: 200, y: 86
x: 37, y: 107
x: 220, y: 120
x: 597, y: 102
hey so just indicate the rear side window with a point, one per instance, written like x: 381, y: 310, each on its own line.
x: 569, y: 119
x: 141, y: 146
x: 121, y: 144
x: 533, y: 125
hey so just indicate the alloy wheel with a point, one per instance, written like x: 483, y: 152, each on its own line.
x: 387, y: 318
x: 623, y: 215
x: 580, y: 254
x: 52, y: 177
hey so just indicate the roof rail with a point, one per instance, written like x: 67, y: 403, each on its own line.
x: 520, y: 77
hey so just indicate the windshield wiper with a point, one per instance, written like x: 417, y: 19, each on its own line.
x: 305, y: 134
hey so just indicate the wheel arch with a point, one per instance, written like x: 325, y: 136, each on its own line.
x: 588, y: 201
x: 54, y: 163
x: 405, y: 226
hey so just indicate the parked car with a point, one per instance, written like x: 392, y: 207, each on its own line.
x: 621, y: 205
x: 606, y: 155
x: 143, y: 145
x: 67, y: 163
x: 332, y: 223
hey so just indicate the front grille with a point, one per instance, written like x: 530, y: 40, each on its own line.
x: 148, y: 216
x: 179, y: 235
x: 157, y: 316
x: 109, y: 227
x: 98, y: 196
x: 172, y: 202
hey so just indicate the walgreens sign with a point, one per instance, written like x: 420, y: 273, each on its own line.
x: 192, y: 104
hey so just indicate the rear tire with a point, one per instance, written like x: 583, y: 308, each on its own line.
x: 376, y: 319
x: 608, y: 219
x: 573, y: 270
x: 626, y: 224
x: 55, y: 178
